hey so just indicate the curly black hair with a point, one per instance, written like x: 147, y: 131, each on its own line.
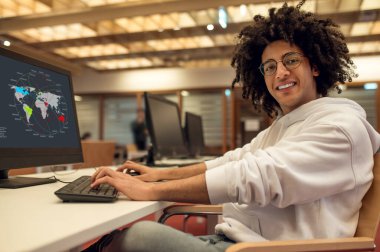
x: 320, y: 40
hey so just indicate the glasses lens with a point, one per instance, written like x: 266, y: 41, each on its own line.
x: 292, y: 61
x: 269, y: 67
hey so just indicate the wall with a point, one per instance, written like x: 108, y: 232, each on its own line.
x: 152, y: 80
x: 177, y: 78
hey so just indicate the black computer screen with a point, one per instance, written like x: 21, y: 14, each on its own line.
x: 164, y: 126
x: 194, y: 133
x: 38, y: 125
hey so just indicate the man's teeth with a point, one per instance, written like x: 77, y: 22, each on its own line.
x: 286, y: 85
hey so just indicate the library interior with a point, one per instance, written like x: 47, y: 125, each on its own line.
x: 87, y: 84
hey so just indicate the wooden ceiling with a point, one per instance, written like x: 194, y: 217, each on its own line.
x: 111, y: 35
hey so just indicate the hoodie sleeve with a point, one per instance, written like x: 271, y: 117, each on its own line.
x: 236, y: 154
x: 319, y: 161
x: 228, y: 156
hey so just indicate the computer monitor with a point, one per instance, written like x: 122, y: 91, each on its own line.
x: 38, y: 124
x: 164, y: 126
x: 194, y: 133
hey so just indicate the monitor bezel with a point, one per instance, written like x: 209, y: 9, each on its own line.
x: 31, y: 157
x: 159, y: 153
x: 187, y: 133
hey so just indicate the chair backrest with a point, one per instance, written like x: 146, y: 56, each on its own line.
x: 97, y: 153
x: 370, y: 212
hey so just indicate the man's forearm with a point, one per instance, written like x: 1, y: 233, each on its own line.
x: 183, y: 172
x: 189, y: 190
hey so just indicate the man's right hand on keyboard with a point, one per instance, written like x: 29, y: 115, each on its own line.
x: 130, y: 186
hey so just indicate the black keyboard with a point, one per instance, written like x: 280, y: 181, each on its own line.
x: 79, y: 190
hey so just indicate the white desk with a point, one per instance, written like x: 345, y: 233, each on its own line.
x: 34, y: 219
x: 183, y: 162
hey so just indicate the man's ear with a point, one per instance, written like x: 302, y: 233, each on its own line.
x: 315, y: 71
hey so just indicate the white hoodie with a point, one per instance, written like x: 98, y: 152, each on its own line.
x: 302, y: 178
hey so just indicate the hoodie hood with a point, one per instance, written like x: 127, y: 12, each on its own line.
x: 323, y: 107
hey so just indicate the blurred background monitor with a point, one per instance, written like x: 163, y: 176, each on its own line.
x: 38, y: 125
x: 164, y: 126
x: 194, y: 134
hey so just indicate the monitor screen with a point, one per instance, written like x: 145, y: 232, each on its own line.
x: 194, y: 133
x: 38, y: 125
x: 164, y: 126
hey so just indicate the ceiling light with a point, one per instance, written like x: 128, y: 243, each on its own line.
x: 222, y: 14
x: 78, y: 98
x: 6, y: 43
x: 370, y: 86
x: 210, y: 27
x: 185, y: 93
x: 243, y: 10
x: 227, y: 92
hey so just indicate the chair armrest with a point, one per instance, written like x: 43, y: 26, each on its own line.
x: 190, y: 210
x: 339, y: 244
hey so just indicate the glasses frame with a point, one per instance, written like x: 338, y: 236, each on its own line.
x: 261, y: 67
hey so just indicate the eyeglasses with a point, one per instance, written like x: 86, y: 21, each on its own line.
x: 290, y: 60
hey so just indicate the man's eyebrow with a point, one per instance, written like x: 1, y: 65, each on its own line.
x: 282, y: 56
x: 268, y: 60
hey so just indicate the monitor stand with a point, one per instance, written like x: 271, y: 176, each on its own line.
x: 150, y: 156
x: 19, y: 182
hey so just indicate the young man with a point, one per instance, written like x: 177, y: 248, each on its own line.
x: 302, y: 178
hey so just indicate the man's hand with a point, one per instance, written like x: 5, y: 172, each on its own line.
x: 146, y: 173
x: 191, y: 189
x: 132, y: 187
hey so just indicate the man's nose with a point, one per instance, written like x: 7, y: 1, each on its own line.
x: 281, y: 71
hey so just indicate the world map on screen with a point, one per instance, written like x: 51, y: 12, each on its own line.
x: 40, y: 104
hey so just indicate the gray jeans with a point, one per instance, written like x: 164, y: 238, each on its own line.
x: 152, y: 236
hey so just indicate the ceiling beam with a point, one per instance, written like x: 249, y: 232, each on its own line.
x: 142, y: 36
x: 132, y: 68
x: 112, y: 11
x: 365, y: 54
x: 355, y: 16
x: 364, y: 38
x: 346, y: 17
x: 169, y: 55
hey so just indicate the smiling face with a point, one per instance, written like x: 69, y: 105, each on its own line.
x: 291, y: 88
